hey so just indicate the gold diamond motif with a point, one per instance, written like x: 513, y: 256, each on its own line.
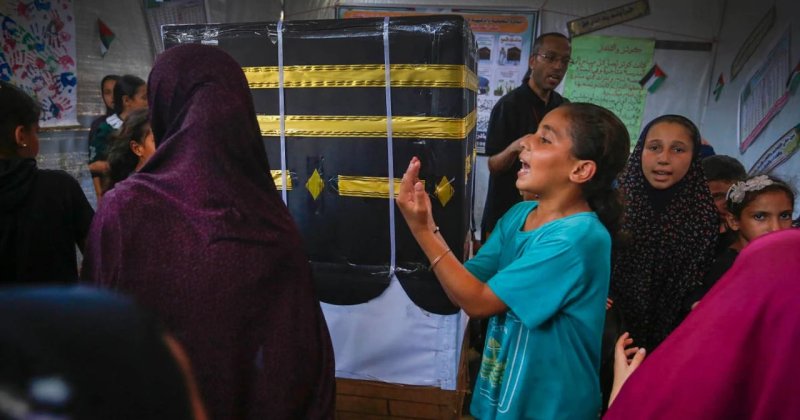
x: 315, y: 184
x: 444, y: 191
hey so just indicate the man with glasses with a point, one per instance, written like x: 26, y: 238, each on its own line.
x: 516, y: 114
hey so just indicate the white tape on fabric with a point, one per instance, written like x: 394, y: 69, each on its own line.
x: 282, y: 111
x: 389, y: 146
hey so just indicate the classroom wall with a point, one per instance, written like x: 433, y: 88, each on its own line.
x: 720, y: 121
x: 131, y: 51
x: 691, y: 74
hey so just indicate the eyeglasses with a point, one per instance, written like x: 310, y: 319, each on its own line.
x: 552, y: 58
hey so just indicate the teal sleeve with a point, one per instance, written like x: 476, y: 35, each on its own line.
x: 542, y: 281
x: 484, y: 264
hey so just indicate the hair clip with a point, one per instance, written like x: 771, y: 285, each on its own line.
x: 738, y: 190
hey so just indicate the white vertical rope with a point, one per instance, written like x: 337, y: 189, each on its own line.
x: 389, y: 145
x: 282, y: 110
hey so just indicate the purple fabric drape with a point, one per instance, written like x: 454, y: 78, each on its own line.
x: 201, y: 236
x: 735, y: 356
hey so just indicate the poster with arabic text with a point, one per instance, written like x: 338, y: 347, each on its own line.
x: 606, y: 71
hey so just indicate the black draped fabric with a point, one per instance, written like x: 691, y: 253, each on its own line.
x: 671, y: 237
x: 81, y: 353
x: 201, y: 236
x: 43, y: 216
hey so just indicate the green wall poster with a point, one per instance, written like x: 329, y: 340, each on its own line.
x: 606, y: 71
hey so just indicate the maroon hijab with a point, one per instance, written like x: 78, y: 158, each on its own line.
x: 735, y: 356
x: 201, y: 236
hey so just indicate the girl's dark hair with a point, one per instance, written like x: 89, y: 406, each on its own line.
x: 723, y: 168
x: 106, y: 78
x: 127, y: 85
x: 121, y: 159
x: 600, y: 136
x: 16, y: 109
x: 736, y: 208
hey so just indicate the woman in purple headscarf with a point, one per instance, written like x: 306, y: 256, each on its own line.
x: 201, y: 237
x: 735, y: 356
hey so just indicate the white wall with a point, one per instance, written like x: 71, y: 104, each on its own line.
x: 691, y: 74
x: 130, y: 53
x: 720, y: 122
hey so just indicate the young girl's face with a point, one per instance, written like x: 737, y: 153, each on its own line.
x: 108, y: 93
x: 138, y: 101
x: 546, y: 156
x: 768, y: 212
x: 667, y: 154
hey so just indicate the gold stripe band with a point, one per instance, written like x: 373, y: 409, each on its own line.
x: 367, y: 186
x: 276, y: 176
x: 368, y: 126
x: 363, y: 75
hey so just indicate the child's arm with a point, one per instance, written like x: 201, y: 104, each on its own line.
x: 464, y: 289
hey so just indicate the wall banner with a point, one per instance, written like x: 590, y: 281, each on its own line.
x: 606, y: 71
x: 752, y: 42
x: 38, y: 55
x: 765, y: 94
x: 608, y: 18
x: 779, y: 152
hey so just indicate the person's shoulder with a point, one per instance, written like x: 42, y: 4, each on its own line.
x: 515, y: 96
x: 104, y: 128
x: 583, y: 227
x: 521, y: 93
x: 727, y: 256
x: 557, y: 99
x: 57, y: 176
x: 97, y: 121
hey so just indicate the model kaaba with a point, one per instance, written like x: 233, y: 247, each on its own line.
x: 323, y: 85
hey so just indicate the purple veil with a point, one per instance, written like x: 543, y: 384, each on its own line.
x: 201, y: 237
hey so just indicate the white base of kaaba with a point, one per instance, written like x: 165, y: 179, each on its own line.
x: 390, y: 339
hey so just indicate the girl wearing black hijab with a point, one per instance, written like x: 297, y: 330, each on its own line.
x: 671, y: 226
x: 43, y: 213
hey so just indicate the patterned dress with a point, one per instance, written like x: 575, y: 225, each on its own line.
x: 671, y: 236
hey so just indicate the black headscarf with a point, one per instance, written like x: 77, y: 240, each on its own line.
x: 671, y: 237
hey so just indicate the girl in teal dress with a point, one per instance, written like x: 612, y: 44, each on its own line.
x: 542, y: 277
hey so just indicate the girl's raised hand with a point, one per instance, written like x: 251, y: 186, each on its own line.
x: 413, y: 201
